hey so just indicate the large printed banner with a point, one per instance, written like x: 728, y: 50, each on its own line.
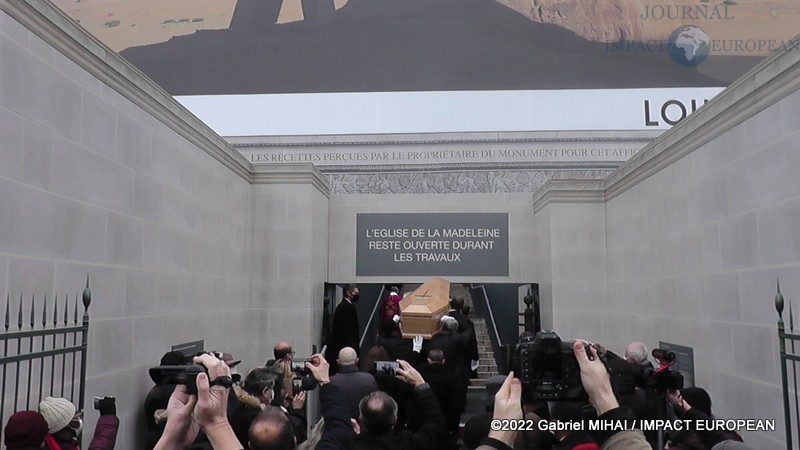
x: 267, y: 67
x: 432, y: 244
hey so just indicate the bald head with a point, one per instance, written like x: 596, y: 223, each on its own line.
x: 436, y: 356
x: 378, y: 412
x: 282, y: 350
x: 636, y: 353
x: 271, y: 430
x: 347, y: 357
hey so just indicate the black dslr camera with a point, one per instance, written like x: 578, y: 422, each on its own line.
x: 663, y: 378
x: 548, y: 369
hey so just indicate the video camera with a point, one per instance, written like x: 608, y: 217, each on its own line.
x: 663, y: 379
x: 547, y: 368
x: 186, y: 375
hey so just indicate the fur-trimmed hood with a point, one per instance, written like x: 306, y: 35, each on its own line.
x: 247, y: 399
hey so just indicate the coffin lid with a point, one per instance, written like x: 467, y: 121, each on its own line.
x: 428, y: 299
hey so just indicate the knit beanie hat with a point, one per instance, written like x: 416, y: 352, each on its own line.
x: 25, y: 429
x: 698, y: 398
x: 58, y: 412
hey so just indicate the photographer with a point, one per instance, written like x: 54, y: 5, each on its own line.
x: 378, y: 417
x: 259, y: 388
x: 271, y: 429
x: 702, y: 412
x: 188, y: 414
x: 596, y: 382
x: 65, y: 424
x: 338, y: 434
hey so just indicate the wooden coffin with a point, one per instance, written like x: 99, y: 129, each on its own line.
x: 423, y: 308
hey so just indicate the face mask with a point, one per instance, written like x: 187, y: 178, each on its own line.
x: 354, y: 298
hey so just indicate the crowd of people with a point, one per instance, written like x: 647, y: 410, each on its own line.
x: 407, y: 393
x: 57, y: 425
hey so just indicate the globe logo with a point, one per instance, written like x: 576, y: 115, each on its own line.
x: 688, y: 46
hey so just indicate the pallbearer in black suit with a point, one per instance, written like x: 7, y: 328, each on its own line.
x: 464, y: 324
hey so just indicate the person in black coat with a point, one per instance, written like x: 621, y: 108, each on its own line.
x: 378, y: 416
x: 464, y: 324
x: 345, y: 326
x: 396, y: 346
x: 157, y: 399
x: 271, y: 428
x: 353, y: 383
x: 454, y: 345
x: 444, y: 383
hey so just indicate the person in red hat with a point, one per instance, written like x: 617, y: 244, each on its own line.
x: 25, y: 430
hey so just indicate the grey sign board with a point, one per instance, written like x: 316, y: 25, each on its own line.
x: 684, y: 362
x: 432, y: 244
x: 189, y: 348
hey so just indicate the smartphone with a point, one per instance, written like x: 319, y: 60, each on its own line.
x: 386, y: 368
x: 297, y: 386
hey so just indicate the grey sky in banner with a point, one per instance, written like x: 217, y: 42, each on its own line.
x: 431, y: 244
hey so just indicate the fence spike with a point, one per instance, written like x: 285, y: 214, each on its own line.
x: 19, y: 315
x: 44, y: 312
x: 8, y: 300
x: 66, y: 309
x: 55, y: 312
x: 87, y: 295
x: 33, y: 311
x: 779, y: 301
x: 791, y: 318
x: 75, y: 317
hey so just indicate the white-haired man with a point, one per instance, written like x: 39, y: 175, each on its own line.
x: 636, y: 353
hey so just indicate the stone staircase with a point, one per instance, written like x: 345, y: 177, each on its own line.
x: 488, y: 365
x: 476, y: 393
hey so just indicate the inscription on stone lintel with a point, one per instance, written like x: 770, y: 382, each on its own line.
x: 327, y: 157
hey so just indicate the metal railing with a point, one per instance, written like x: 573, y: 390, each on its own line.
x: 483, y: 307
x: 529, y: 319
x: 783, y: 339
x: 371, y: 330
x: 35, y: 348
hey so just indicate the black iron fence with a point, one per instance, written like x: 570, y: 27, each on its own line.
x: 529, y: 320
x: 43, y: 346
x: 788, y: 358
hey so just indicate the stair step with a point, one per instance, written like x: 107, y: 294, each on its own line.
x: 487, y: 374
